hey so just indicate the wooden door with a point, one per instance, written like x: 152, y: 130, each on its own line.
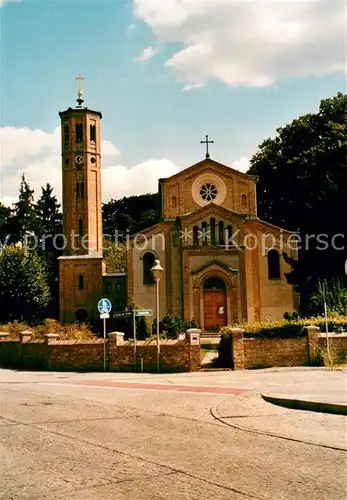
x: 215, y: 310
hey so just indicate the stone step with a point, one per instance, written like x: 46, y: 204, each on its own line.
x: 209, y: 358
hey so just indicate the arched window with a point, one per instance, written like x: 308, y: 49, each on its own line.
x: 273, y: 265
x: 81, y: 282
x: 79, y: 132
x: 78, y: 190
x: 148, y: 262
x: 243, y: 200
x: 80, y: 227
x: 92, y: 133
x: 221, y: 233
x: 213, y: 231
x: 174, y: 202
x: 108, y: 288
x: 214, y: 283
x: 196, y: 235
x: 204, y: 233
x: 229, y: 233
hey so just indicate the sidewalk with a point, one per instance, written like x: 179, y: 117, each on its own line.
x: 316, y: 415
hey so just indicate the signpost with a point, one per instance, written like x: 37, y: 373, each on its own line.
x: 104, y: 308
x: 135, y: 313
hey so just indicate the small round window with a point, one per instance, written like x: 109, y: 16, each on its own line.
x: 208, y: 192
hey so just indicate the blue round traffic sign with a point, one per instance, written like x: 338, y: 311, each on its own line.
x: 104, y: 306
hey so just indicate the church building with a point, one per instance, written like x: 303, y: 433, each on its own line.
x: 221, y: 263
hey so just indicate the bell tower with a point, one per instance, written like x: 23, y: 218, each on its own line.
x: 81, y: 170
x: 82, y: 266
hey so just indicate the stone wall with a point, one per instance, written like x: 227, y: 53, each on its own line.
x: 55, y: 354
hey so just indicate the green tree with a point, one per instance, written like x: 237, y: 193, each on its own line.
x: 302, y: 186
x: 24, y: 291
x: 115, y: 257
x: 48, y: 230
x: 24, y: 212
x: 5, y: 225
x: 47, y: 213
x: 133, y: 213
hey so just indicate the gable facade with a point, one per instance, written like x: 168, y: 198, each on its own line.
x: 221, y: 263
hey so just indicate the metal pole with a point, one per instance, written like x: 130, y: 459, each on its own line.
x: 326, y: 318
x: 104, y: 320
x: 158, y: 344
x: 134, y: 336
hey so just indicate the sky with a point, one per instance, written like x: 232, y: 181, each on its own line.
x: 164, y: 73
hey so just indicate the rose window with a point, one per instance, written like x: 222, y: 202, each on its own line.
x: 208, y: 192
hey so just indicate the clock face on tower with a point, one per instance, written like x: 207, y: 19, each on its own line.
x: 78, y: 159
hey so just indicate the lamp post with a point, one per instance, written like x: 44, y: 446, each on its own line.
x: 157, y: 271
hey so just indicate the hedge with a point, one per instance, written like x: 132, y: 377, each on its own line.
x: 287, y: 328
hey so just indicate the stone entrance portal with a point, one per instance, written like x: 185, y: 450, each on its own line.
x: 215, y: 304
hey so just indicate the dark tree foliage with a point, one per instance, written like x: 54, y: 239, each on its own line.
x: 130, y: 214
x: 5, y: 224
x: 23, y: 221
x: 48, y: 230
x: 303, y: 186
x: 24, y: 291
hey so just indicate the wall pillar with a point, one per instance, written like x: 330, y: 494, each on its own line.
x: 193, y: 340
x: 237, y: 351
x: 25, y: 336
x: 312, y: 342
x: 50, y: 338
x: 115, y: 340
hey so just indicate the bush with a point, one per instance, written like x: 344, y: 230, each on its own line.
x: 65, y: 332
x: 171, y: 325
x: 286, y: 328
x: 143, y: 325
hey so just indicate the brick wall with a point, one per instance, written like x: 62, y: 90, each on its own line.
x: 261, y: 353
x: 75, y: 355
x: 275, y: 352
x: 54, y: 354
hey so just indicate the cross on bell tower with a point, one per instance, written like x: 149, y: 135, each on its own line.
x: 80, y: 99
x: 207, y: 142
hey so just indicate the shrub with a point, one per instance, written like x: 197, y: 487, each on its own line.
x: 286, y: 328
x: 65, y: 332
x: 173, y: 325
x: 143, y: 325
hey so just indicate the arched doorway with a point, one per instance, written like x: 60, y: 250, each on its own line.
x: 215, y: 303
x: 81, y: 315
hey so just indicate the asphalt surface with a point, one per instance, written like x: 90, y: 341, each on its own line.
x: 189, y: 436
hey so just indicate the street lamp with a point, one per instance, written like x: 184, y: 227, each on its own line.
x: 157, y: 271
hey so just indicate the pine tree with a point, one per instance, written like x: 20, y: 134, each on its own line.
x: 47, y: 214
x: 48, y: 228
x: 24, y: 213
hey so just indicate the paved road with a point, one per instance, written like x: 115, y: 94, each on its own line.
x: 151, y: 437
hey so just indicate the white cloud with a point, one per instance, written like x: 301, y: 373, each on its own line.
x: 243, y: 164
x: 4, y: 2
x: 130, y: 29
x: 192, y: 86
x: 119, y: 181
x: 147, y: 54
x: 36, y: 154
x: 245, y: 43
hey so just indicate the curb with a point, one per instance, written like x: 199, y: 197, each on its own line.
x: 300, y: 404
x: 223, y: 420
